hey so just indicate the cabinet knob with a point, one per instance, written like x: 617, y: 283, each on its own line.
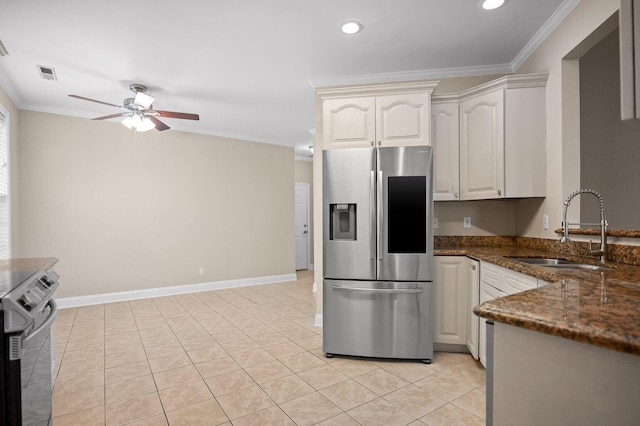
x: 499, y: 192
x: 455, y: 195
x: 473, y: 267
x: 371, y: 143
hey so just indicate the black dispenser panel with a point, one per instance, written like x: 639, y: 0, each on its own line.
x: 342, y: 222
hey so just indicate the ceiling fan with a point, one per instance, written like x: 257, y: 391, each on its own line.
x: 138, y: 112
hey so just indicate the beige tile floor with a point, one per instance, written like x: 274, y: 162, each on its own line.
x: 244, y: 356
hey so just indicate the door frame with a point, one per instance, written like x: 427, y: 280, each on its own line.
x: 8, y: 195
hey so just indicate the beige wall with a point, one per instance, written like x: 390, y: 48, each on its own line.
x: 11, y: 109
x: 558, y: 56
x: 490, y: 217
x: 128, y: 211
x: 609, y: 148
x: 304, y: 174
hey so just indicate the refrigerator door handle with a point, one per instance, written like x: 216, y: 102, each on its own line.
x: 380, y: 201
x: 378, y: 290
x: 372, y: 212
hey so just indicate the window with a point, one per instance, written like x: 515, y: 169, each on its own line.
x: 5, y: 224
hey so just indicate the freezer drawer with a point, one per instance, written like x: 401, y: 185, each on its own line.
x: 378, y: 319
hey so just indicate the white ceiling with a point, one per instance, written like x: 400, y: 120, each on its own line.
x: 249, y: 67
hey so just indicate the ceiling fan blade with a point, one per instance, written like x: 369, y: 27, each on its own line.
x: 159, y: 124
x: 143, y: 100
x: 93, y: 100
x: 106, y: 117
x: 172, y: 114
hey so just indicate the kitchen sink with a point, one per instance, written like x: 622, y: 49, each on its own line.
x: 560, y: 263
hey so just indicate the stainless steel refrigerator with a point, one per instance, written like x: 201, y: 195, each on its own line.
x: 378, y: 252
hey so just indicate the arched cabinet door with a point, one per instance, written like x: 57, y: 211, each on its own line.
x: 403, y: 120
x: 399, y: 119
x: 446, y: 151
x: 349, y: 122
x: 482, y: 146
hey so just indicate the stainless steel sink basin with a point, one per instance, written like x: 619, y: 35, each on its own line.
x: 560, y: 263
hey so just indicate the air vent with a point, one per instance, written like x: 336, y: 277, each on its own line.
x: 47, y: 73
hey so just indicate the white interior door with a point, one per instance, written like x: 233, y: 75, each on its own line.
x: 302, y: 226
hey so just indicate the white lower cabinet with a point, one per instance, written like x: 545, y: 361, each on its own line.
x: 496, y: 282
x: 460, y: 284
x: 451, y: 300
x: 487, y: 292
x: 473, y: 297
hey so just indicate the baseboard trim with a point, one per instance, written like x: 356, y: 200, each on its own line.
x: 124, y: 296
x: 318, y: 320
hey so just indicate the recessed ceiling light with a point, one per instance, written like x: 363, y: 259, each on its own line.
x: 492, y: 4
x: 352, y: 27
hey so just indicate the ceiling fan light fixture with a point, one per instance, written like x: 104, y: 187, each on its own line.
x: 143, y: 100
x: 351, y: 27
x: 138, y: 123
x: 145, y: 125
x: 492, y: 4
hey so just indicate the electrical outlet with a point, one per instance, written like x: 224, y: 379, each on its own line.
x: 467, y: 222
x: 201, y: 271
x: 545, y: 221
x: 435, y: 222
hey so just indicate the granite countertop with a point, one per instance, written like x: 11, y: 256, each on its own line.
x: 38, y: 263
x: 596, y: 307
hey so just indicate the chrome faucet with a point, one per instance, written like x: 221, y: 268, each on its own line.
x: 602, y: 252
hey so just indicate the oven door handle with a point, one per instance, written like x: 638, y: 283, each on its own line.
x: 46, y: 323
x: 378, y: 290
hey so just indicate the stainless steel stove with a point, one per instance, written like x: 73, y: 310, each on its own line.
x: 28, y: 311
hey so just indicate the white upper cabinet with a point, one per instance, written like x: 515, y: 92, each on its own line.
x: 446, y: 146
x: 403, y: 120
x: 379, y: 115
x: 482, y: 146
x: 349, y: 123
x: 503, y: 138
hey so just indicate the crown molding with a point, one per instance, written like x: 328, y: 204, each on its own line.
x: 58, y: 111
x: 410, y: 75
x: 554, y: 20
x: 174, y: 127
x: 374, y: 89
x: 445, y: 97
x: 512, y: 81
